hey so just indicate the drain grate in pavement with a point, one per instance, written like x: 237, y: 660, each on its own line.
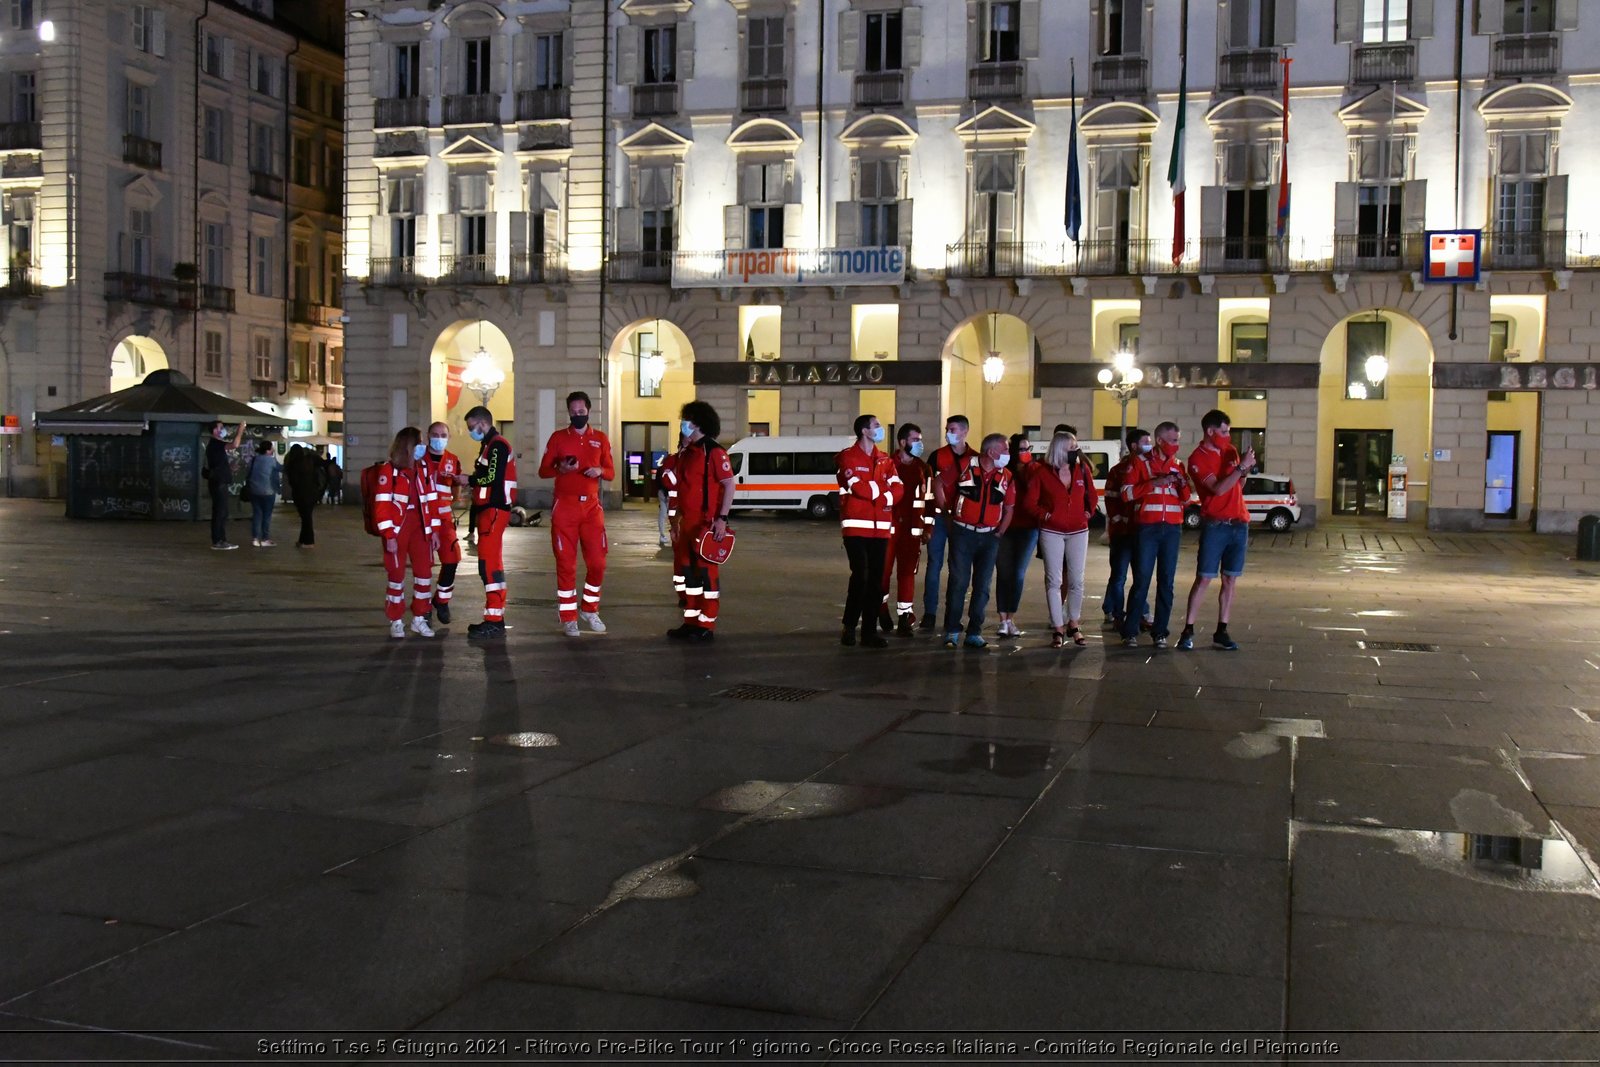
x: 1397, y: 646
x: 750, y: 691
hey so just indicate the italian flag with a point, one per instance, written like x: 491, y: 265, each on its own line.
x: 1175, y: 165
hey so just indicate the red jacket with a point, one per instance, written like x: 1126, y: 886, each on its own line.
x: 869, y: 485
x: 978, y: 499
x: 701, y: 469
x: 442, y: 470
x: 404, y: 500
x: 1053, y: 506
x: 591, y: 449
x: 915, y: 504
x: 1119, y: 513
x: 1151, y: 503
x: 667, y: 482
x: 494, y: 475
x: 1022, y: 475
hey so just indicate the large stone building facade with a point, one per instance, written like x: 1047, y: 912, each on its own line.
x: 545, y: 196
x: 170, y: 176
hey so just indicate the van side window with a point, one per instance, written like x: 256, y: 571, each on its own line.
x: 815, y: 463
x: 1100, y: 462
x: 1259, y: 487
x: 736, y: 460
x: 771, y: 463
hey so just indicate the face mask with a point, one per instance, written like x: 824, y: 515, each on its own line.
x: 438, y: 444
x: 475, y: 433
x: 1169, y: 450
x: 579, y: 421
x: 1001, y: 460
x: 877, y: 435
x: 1073, y: 451
x: 687, y: 428
x: 1144, y: 448
x: 916, y: 449
x: 1024, y: 457
x: 954, y: 439
x: 219, y: 433
x: 419, y: 451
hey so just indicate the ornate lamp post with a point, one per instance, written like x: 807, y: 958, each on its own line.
x: 483, y: 375
x: 1122, y: 379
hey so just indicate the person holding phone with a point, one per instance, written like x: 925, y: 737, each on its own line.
x: 1157, y: 489
x: 579, y: 459
x: 1218, y: 472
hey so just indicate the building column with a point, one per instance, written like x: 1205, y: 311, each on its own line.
x: 1569, y: 460
x: 1292, y: 438
x: 1455, y: 490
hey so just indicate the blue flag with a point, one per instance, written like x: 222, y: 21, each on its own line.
x: 1074, y: 188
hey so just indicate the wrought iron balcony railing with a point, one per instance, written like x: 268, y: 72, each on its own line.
x: 996, y: 81
x: 1121, y: 76
x: 883, y: 88
x: 535, y: 268
x: 400, y: 112
x: 266, y: 186
x: 468, y: 270
x: 150, y: 289
x: 23, y: 135
x: 1377, y: 251
x: 1005, y: 259
x: 395, y: 271
x: 655, y: 99
x: 1396, y: 62
x: 639, y: 266
x: 534, y: 104
x: 1526, y: 250
x: 764, y: 94
x: 216, y: 297
x: 141, y: 151
x: 1519, y: 55
x: 1250, y: 68
x: 313, y: 314
x: 19, y: 280
x: 471, y: 110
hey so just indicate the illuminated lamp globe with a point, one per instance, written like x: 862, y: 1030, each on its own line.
x: 1357, y: 391
x: 1377, y: 368
x: 994, y: 368
x: 1105, y: 376
x: 483, y: 375
x: 1123, y: 361
x: 1135, y: 375
x: 652, y: 368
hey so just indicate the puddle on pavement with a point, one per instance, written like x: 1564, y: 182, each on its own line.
x: 658, y: 880
x: 994, y: 757
x: 798, y: 800
x: 524, y: 739
x: 1385, y: 613
x: 1536, y: 864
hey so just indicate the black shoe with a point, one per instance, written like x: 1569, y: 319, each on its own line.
x: 1221, y: 640
x: 872, y: 639
x: 443, y: 611
x: 927, y: 625
x: 847, y: 636
x: 906, y: 628
x: 486, y: 630
x: 886, y: 621
x: 681, y: 633
x: 701, y: 636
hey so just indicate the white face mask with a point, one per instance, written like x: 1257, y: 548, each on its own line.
x: 1002, y: 459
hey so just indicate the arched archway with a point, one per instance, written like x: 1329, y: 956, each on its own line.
x: 651, y: 374
x: 1003, y: 406
x: 465, y: 349
x: 134, y: 357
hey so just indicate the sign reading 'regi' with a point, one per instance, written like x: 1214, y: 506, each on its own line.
x: 748, y: 267
x: 1516, y: 377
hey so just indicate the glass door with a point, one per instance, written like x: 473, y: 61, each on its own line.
x: 1500, y: 476
x: 644, y: 444
x: 1360, y: 467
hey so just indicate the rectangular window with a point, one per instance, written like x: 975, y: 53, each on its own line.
x: 305, y: 159
x: 881, y: 48
x: 1002, y: 32
x: 472, y: 193
x: 139, y: 109
x: 1251, y: 23
x: 265, y: 77
x: 475, y: 70
x: 263, y: 149
x: 300, y: 365
x: 302, y: 90
x: 1248, y: 164
x: 403, y: 237
x: 402, y: 198
x: 24, y: 97
x: 474, y: 239
x: 1247, y: 343
x: 22, y: 14
x: 319, y: 363
x: 1366, y: 359
x: 213, y: 59
x: 880, y: 225
x: 336, y: 365
x: 549, y: 51
x: 20, y: 230
x: 1529, y: 16
x: 1245, y: 224
x: 660, y: 55
x: 765, y: 228
x: 1121, y: 28
x: 148, y: 29
x: 1378, y: 212
x: 300, y: 272
x: 764, y: 48
x: 214, y: 135
x: 1386, y: 21
x: 646, y: 348
x: 1117, y: 168
x: 261, y: 360
x: 213, y: 253
x: 408, y: 71
x: 213, y: 353
x: 1382, y: 159
x: 656, y: 230
x: 141, y: 241
x: 261, y: 266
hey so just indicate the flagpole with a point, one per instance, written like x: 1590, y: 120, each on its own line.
x: 1175, y: 167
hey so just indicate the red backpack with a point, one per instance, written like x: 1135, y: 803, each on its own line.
x: 369, y: 490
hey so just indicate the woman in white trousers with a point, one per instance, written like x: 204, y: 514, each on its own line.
x: 1061, y: 498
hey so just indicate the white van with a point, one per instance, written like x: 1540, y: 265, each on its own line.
x: 787, y: 473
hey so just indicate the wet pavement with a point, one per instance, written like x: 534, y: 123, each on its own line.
x: 230, y: 804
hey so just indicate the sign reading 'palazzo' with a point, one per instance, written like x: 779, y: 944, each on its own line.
x: 779, y: 373
x: 747, y: 267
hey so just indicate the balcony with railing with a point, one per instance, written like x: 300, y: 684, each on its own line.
x: 1107, y: 257
x: 1377, y: 251
x: 150, y: 289
x: 394, y: 272
x: 400, y: 112
x: 659, y: 98
x: 1249, y: 68
x: 536, y: 268
x: 19, y: 135
x: 1525, y: 55
x: 311, y: 313
x: 216, y: 297
x: 19, y: 280
x: 1005, y: 259
x: 1526, y: 250
x: 996, y: 81
x: 267, y: 186
x: 475, y: 109
x: 639, y: 266
x: 468, y: 270
x: 1121, y: 76
x: 141, y: 151
x: 536, y: 104
x: 1244, y: 254
x: 1394, y: 62
x: 764, y: 94
x: 880, y: 88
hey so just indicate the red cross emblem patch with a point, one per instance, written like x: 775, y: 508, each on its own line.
x: 1453, y: 256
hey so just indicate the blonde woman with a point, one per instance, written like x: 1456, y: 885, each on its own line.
x: 1060, y: 499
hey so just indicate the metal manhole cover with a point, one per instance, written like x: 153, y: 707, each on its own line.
x: 748, y: 691
x: 1397, y: 646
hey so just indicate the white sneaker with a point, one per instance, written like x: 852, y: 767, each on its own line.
x: 570, y: 628
x: 255, y: 542
x: 593, y: 619
x: 397, y: 628
x: 420, y: 627
x: 267, y: 544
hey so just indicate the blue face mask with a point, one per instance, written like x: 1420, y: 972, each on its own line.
x: 954, y: 439
x: 688, y: 428
x: 1001, y: 460
x: 475, y: 434
x: 877, y: 435
x: 419, y: 451
x: 916, y: 449
x: 438, y: 444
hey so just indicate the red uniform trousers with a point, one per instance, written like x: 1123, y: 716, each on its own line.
x: 492, y: 523
x: 576, y: 522
x: 905, y: 553
x: 449, y: 558
x: 702, y: 595
x: 682, y: 552
x: 410, y: 543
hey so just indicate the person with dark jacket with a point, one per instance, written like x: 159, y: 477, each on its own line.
x: 303, y: 468
x: 218, y: 473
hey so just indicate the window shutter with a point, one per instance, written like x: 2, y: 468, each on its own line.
x: 158, y: 33
x: 627, y: 55
x: 903, y: 237
x: 792, y: 218
x: 1283, y: 21
x: 733, y: 226
x: 1566, y: 15
x: 1555, y: 204
x: 1346, y: 21
x: 1346, y: 196
x: 685, y: 50
x: 1420, y: 20
x: 552, y: 229
x: 497, y: 65
x: 1005, y: 215
x: 455, y: 193
x: 227, y: 59
x: 428, y: 60
x: 1414, y: 206
x: 445, y: 240
x: 1238, y: 23
x: 519, y: 237
x: 1030, y: 27
x: 490, y: 229
x: 791, y: 188
x: 750, y: 184
x: 627, y: 229
x: 1133, y: 31
x: 1491, y: 17
x: 846, y: 217
x: 911, y: 38
x: 419, y: 233
x: 849, y: 39
x: 1213, y: 212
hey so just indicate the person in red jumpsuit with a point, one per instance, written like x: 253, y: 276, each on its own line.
x: 579, y: 459
x: 443, y: 466
x: 669, y: 486
x: 869, y: 485
x: 494, y: 488
x: 705, y: 492
x: 910, y: 531
x: 404, y: 509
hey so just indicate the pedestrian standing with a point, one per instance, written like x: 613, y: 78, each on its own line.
x: 218, y: 473
x: 1060, y: 498
x: 335, y: 481
x: 1218, y: 471
x: 981, y: 496
x: 263, y: 482
x: 307, y: 479
x: 404, y: 509
x: 911, y: 523
x: 943, y: 460
x: 494, y: 490
x: 443, y: 468
x: 664, y: 510
x: 579, y: 459
x: 1121, y: 533
x: 1018, y: 544
x: 705, y: 493
x: 869, y: 485
x: 1157, y: 489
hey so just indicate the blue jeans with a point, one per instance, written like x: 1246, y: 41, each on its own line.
x: 1122, y: 551
x: 930, y: 581
x: 1011, y: 568
x: 1157, y: 554
x: 972, y: 558
x: 261, y: 515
